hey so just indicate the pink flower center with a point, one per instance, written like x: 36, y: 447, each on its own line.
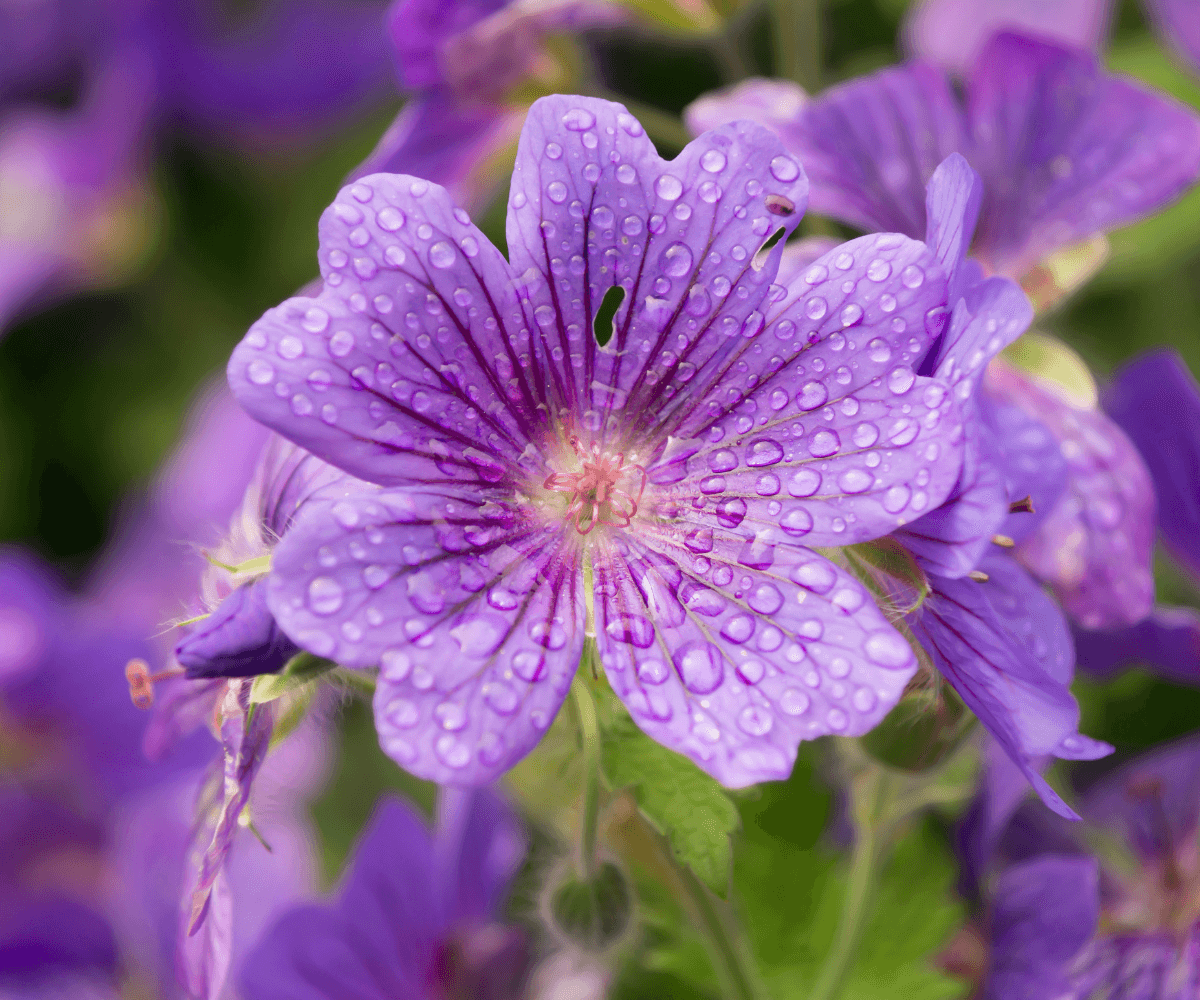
x: 604, y: 491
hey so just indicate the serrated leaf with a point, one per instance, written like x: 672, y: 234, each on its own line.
x: 791, y: 902
x: 680, y: 801
x: 298, y: 671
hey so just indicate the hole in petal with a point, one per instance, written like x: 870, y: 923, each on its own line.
x: 602, y: 325
x: 760, y: 256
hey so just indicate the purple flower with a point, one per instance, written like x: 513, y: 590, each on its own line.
x: 951, y: 32
x: 1059, y: 921
x: 415, y: 916
x: 1095, y: 546
x: 659, y: 469
x: 1066, y: 151
x: 460, y: 59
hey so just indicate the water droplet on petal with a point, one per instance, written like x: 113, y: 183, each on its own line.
x: 325, y: 595
x: 578, y: 119
x: 701, y: 666
x: 888, y: 649
x: 793, y: 701
x: 912, y: 276
x: 785, y: 169
x: 668, y: 187
x: 676, y: 260
x: 441, y: 255
x: 755, y: 721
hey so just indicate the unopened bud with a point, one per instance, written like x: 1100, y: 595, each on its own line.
x: 922, y: 731
x: 593, y: 913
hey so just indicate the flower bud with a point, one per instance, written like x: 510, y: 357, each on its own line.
x: 239, y: 639
x: 922, y: 731
x: 592, y: 913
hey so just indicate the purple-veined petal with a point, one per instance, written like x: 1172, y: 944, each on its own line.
x: 820, y: 430
x: 1002, y: 786
x: 204, y: 957
x: 471, y: 612
x: 239, y: 639
x: 1042, y: 913
x: 952, y: 200
x: 1177, y: 22
x: 400, y: 369
x: 1156, y: 401
x: 1068, y: 151
x: 1095, y: 546
x: 246, y: 736
x: 1168, y: 641
x: 1153, y: 801
x: 870, y: 146
x: 733, y: 653
x: 1005, y: 648
x: 1030, y: 458
x: 952, y: 33
x: 1147, y: 965
x: 448, y: 143
x: 951, y: 539
x: 799, y: 255
x: 775, y: 104
x: 593, y: 207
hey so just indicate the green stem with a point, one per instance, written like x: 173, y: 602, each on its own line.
x: 872, y: 792
x: 589, y: 731
x: 730, y: 955
x: 797, y: 36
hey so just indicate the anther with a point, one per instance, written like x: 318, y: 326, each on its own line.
x: 1003, y: 541
x: 979, y: 576
x: 141, y: 681
x: 1022, y: 506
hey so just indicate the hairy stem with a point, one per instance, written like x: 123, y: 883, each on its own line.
x: 728, y: 951
x: 589, y: 731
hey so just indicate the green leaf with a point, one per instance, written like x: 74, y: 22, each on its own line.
x: 790, y: 902
x: 679, y: 800
x: 298, y: 671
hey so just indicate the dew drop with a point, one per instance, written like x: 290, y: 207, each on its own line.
x: 578, y: 119
x: 676, y: 260
x: 701, y: 666
x: 784, y: 168
x: 325, y: 595
x: 260, y: 372
x: 668, y: 187
x: 441, y: 255
x: 912, y: 276
x: 793, y: 702
x: 888, y: 649
x: 713, y: 161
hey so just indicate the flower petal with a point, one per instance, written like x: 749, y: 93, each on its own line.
x: 239, y: 639
x: 1006, y: 650
x: 1043, y: 912
x: 774, y: 104
x: 1067, y: 150
x: 592, y: 207
x: 448, y: 143
x: 471, y: 613
x: 405, y: 367
x: 952, y: 33
x: 1168, y: 640
x: 1030, y: 457
x: 819, y: 429
x: 1176, y: 20
x: 952, y: 200
x: 871, y: 144
x: 481, y: 845
x: 1156, y: 401
x: 733, y: 655
x: 1095, y: 547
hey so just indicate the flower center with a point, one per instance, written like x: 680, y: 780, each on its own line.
x: 604, y: 491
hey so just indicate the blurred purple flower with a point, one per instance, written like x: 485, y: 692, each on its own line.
x: 1066, y: 151
x: 459, y: 60
x: 673, y: 475
x: 1060, y: 924
x: 950, y: 33
x: 415, y: 916
x: 1095, y: 546
x: 1156, y: 402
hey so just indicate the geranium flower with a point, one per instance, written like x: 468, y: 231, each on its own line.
x: 626, y: 430
x: 1066, y: 151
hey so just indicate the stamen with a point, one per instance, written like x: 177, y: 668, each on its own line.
x: 1022, y: 506
x: 141, y: 681
x: 1003, y: 541
x: 602, y: 492
x: 979, y: 576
